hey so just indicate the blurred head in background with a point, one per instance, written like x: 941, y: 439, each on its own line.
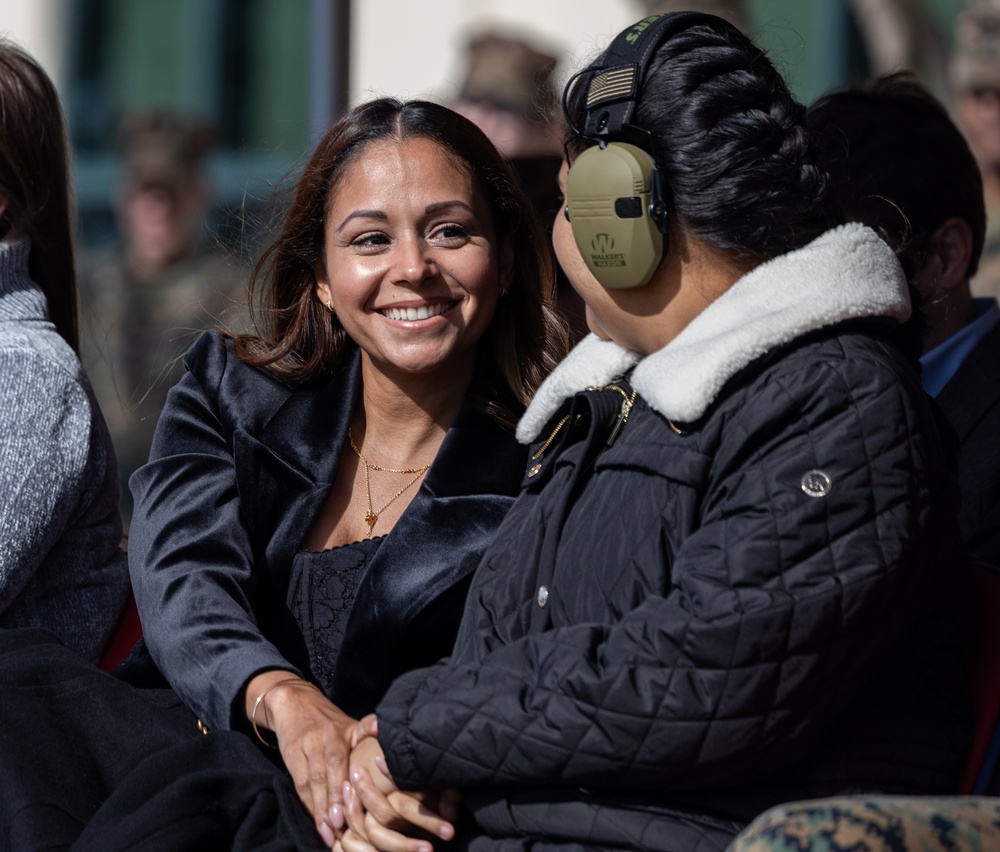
x: 509, y: 93
x: 975, y: 79
x: 163, y: 196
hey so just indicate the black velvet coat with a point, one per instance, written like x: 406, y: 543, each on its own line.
x: 239, y: 467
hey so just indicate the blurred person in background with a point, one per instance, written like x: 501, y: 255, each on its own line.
x: 509, y: 92
x: 145, y: 300
x: 902, y: 35
x: 975, y: 83
x: 61, y: 567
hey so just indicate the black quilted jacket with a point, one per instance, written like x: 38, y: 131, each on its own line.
x: 674, y: 632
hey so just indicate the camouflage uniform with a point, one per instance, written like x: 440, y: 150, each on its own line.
x: 134, y: 333
x: 135, y: 325
x: 876, y: 824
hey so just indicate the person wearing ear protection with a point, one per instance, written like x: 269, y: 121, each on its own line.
x: 733, y: 576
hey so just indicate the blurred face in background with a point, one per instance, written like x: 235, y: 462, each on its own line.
x: 978, y: 112
x: 160, y: 223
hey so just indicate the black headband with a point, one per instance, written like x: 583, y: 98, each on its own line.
x: 613, y: 90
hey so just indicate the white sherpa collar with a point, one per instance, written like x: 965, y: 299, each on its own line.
x: 847, y: 273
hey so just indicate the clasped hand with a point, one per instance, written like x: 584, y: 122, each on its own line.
x: 319, y: 744
x: 380, y: 816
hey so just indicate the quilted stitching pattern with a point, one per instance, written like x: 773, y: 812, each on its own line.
x: 710, y: 623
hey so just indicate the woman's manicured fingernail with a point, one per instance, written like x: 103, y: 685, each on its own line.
x: 336, y: 817
x: 355, y: 774
x: 327, y: 835
x: 348, y: 793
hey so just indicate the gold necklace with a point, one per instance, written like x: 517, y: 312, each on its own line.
x: 372, y: 516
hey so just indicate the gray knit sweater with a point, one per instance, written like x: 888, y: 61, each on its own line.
x: 61, y: 566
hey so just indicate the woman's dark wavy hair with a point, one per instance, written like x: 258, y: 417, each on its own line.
x: 35, y: 182
x: 299, y: 340
x: 740, y: 166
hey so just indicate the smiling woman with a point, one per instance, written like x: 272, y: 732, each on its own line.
x: 411, y: 246
x: 319, y: 493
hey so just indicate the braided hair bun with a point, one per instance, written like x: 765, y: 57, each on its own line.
x: 741, y: 166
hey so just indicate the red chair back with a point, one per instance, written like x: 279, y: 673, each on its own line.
x: 985, y: 681
x: 126, y: 634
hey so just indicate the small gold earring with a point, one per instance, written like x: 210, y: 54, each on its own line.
x: 329, y: 306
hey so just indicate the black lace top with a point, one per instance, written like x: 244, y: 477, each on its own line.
x: 321, y: 594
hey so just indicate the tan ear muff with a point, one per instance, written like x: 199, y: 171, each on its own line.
x: 615, y: 205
